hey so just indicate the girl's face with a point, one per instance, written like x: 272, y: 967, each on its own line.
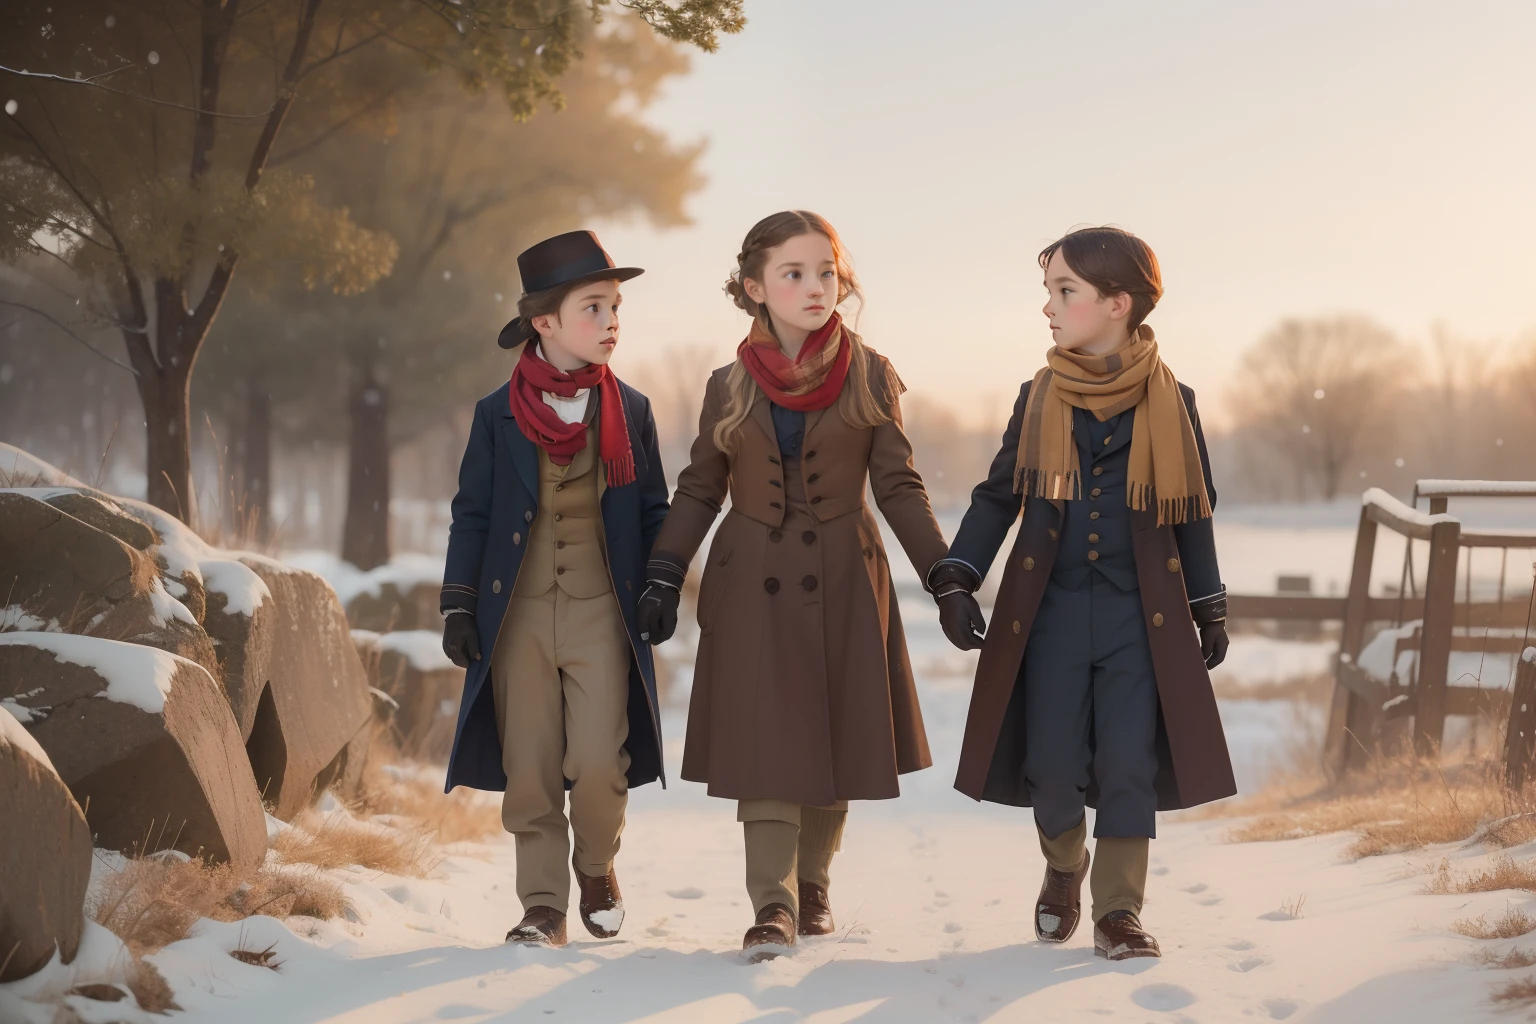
x: 586, y: 330
x: 800, y: 284
x: 1082, y: 319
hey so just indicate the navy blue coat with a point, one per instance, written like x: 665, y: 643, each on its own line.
x: 499, y: 496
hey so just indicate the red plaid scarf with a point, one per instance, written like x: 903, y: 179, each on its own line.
x: 813, y: 379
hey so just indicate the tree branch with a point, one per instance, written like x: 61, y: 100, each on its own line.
x: 61, y: 326
x: 136, y: 96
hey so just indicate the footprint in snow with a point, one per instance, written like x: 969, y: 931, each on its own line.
x: 1280, y: 1009
x: 1247, y: 964
x: 1159, y: 870
x: 1242, y: 945
x: 689, y: 893
x: 950, y: 927
x: 1163, y: 997
x: 1209, y: 901
x: 1198, y: 887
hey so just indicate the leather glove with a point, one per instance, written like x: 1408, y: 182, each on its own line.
x: 656, y: 613
x: 461, y: 641
x: 1210, y: 614
x: 953, y: 584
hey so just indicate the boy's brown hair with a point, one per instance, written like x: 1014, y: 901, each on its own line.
x: 1113, y: 261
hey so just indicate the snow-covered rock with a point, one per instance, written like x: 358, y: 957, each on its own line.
x: 422, y: 687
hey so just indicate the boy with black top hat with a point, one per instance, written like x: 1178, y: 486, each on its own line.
x: 561, y: 492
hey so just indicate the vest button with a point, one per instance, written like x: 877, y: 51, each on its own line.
x: 495, y: 586
x: 1173, y: 565
x: 1028, y: 563
x: 1016, y: 626
x: 809, y: 583
x: 771, y: 585
x: 775, y: 535
x: 559, y: 518
x: 1093, y: 556
x: 559, y: 543
x: 559, y: 487
x: 1093, y: 538
x: 1098, y: 470
x: 1092, y: 494
x: 809, y: 536
x: 1157, y: 618
x: 517, y: 538
x: 560, y: 571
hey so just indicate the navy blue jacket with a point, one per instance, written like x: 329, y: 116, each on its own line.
x: 498, y: 497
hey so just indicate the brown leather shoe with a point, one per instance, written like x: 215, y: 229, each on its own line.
x: 1118, y: 935
x: 773, y: 935
x: 540, y: 926
x: 815, y: 910
x: 1060, y: 905
x: 602, y: 906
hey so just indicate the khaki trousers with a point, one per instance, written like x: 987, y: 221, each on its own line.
x: 560, y: 674
x: 1118, y: 877
x: 788, y: 843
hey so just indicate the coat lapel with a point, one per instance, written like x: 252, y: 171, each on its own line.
x: 525, y: 454
x: 812, y: 418
x: 761, y: 415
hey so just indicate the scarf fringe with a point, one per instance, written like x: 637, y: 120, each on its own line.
x: 620, y: 471
x: 1037, y: 483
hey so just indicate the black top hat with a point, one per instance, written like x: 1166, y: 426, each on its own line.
x: 571, y: 258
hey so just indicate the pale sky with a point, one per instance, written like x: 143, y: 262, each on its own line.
x: 1295, y: 158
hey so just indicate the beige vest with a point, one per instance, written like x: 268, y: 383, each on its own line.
x: 565, y: 544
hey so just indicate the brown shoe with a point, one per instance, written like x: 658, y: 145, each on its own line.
x: 602, y: 907
x: 815, y: 910
x: 540, y: 926
x: 773, y: 935
x: 1118, y: 935
x: 1060, y: 906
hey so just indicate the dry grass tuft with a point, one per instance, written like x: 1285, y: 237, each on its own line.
x: 1512, y: 925
x: 258, y: 957
x: 1502, y: 873
x: 1514, y: 830
x: 465, y: 815
x: 1522, y: 991
x: 337, y: 841
x: 150, y: 988
x: 1508, y: 960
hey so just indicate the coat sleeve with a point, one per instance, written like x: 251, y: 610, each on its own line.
x: 471, y: 517
x: 701, y: 491
x: 1197, y: 539
x: 994, y: 503
x: 898, y: 487
x: 653, y: 488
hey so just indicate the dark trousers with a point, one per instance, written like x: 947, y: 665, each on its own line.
x: 1090, y: 711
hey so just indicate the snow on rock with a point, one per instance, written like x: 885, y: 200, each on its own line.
x: 404, y: 571
x: 242, y: 589
x: 15, y: 617
x: 13, y: 720
x: 421, y: 648
x: 21, y: 467
x: 135, y: 675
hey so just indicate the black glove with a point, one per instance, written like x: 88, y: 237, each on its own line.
x: 461, y: 642
x: 952, y: 584
x: 1210, y: 614
x: 656, y: 613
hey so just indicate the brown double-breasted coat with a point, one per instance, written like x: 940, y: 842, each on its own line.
x: 803, y: 690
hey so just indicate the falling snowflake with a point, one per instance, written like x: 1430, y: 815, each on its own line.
x: 1318, y: 394
x: 11, y: 107
x: 1398, y: 463
x: 111, y: 20
x: 1306, y: 428
x: 498, y: 299
x: 154, y: 58
x: 48, y: 31
x: 447, y: 275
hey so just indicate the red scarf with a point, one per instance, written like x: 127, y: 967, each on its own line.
x: 813, y: 379
x: 533, y: 375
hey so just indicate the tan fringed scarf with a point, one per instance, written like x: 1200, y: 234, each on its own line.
x: 1165, y: 460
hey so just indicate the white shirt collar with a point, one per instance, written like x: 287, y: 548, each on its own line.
x: 570, y: 410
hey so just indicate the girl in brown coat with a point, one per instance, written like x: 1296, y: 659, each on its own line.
x: 803, y: 697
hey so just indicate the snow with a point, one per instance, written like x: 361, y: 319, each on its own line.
x: 1485, y: 669
x: 423, y: 648
x: 13, y: 720
x: 165, y: 608
x: 1528, y: 655
x: 242, y: 589
x: 1388, y: 503
x: 135, y: 675
x: 15, y: 617
x: 16, y: 464
x: 405, y: 571
x: 1451, y: 488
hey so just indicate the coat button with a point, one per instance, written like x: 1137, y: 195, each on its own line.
x: 869, y: 552
x: 1016, y: 626
x: 1028, y: 563
x: 1055, y: 534
x: 1108, y: 439
x: 810, y: 455
x: 771, y: 585
x: 1092, y: 494
x: 773, y: 460
x: 774, y: 483
x: 809, y: 536
x: 1093, y: 538
x: 813, y: 478
x: 527, y: 517
x: 816, y: 500
x: 1157, y: 618
x: 495, y: 586
x: 1093, y: 556
x: 809, y: 583
x: 775, y: 504
x: 1098, y: 470
x: 775, y: 535
x: 1093, y: 515
x: 1173, y: 565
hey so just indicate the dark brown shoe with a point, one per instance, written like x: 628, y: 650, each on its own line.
x: 1118, y: 935
x: 1060, y: 906
x: 602, y: 907
x: 773, y: 935
x: 815, y: 910
x: 540, y: 926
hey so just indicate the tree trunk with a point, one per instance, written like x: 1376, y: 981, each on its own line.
x: 365, y: 532
x: 256, y: 458
x: 168, y: 444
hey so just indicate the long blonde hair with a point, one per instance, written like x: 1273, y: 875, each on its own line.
x: 858, y: 404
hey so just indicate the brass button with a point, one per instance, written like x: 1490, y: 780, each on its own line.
x: 517, y: 538
x: 771, y: 585
x: 1093, y: 538
x: 1157, y: 618
x: 809, y: 583
x: 1053, y: 533
x: 495, y: 586
x: 560, y: 570
x: 1173, y: 565
x: 1028, y: 563
x: 1098, y: 470
x: 1016, y: 626
x: 1093, y: 556
x: 559, y: 518
x: 1093, y: 515
x: 775, y: 535
x: 1108, y: 439
x: 559, y: 487
x: 809, y: 536
x: 1095, y: 493
x: 527, y: 517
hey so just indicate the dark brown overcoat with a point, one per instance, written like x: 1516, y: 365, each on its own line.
x: 1194, y: 766
x: 803, y: 690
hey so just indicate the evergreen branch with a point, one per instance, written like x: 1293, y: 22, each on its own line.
x: 136, y: 96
